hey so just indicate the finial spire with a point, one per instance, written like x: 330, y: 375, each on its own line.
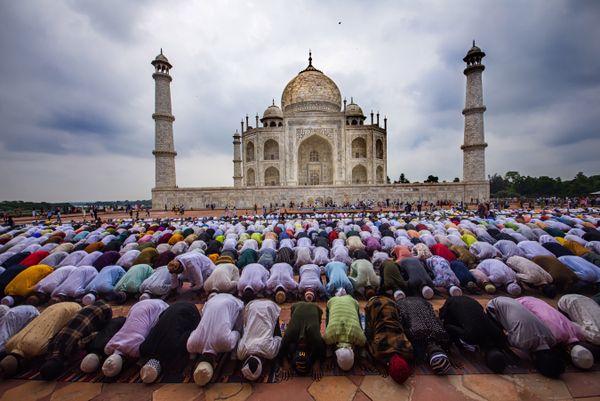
x: 309, y: 58
x: 161, y: 50
x: 351, y: 100
x: 473, y: 42
x: 273, y: 102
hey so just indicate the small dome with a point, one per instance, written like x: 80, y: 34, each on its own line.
x: 161, y: 57
x: 474, y: 49
x: 354, y: 110
x: 273, y: 111
x: 474, y: 52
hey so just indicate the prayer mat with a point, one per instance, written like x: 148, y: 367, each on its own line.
x: 227, y: 369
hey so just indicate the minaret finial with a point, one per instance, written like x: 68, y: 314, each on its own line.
x: 473, y: 42
x: 161, y: 50
x: 273, y: 102
x: 351, y: 100
x: 309, y: 58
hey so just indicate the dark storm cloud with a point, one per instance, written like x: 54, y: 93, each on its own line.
x: 77, y: 85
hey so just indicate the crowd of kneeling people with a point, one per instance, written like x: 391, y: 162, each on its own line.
x: 245, y: 268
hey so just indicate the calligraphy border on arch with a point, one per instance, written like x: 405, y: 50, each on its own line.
x: 302, y: 133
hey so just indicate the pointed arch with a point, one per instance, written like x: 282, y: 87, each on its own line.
x: 359, y: 148
x: 272, y: 176
x: 359, y: 174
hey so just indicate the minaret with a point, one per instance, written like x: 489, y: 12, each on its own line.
x: 474, y: 141
x: 164, y: 148
x: 237, y: 160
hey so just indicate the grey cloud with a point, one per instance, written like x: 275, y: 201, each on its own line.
x: 77, y: 81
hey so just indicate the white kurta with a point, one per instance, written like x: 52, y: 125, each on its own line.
x: 52, y: 280
x: 508, y: 248
x: 532, y: 249
x: 286, y: 243
x: 483, y: 250
x: 14, y: 320
x: 340, y: 254
x: 158, y: 283
x: 303, y: 256
x: 260, y: 317
x: 73, y: 259
x: 224, y: 278
x: 529, y: 272
x: 320, y: 256
x: 196, y: 268
x: 497, y: 272
x: 282, y: 275
x: 74, y: 285
x: 253, y: 276
x: 310, y: 277
x: 585, y: 312
x: 126, y: 261
x: 304, y: 242
x: 89, y: 259
x: 218, y: 330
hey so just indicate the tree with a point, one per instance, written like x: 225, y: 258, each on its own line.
x: 456, y: 179
x: 515, y: 185
x: 387, y: 180
x: 403, y: 179
x: 512, y: 176
x: 432, y: 179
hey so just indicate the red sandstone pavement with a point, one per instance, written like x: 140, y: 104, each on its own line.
x: 573, y: 386
x: 161, y: 214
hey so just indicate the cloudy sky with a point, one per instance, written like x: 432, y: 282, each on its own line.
x: 77, y: 89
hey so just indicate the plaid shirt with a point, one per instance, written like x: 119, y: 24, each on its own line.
x: 383, y: 328
x: 80, y: 329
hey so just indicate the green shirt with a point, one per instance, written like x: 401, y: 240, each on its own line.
x: 343, y: 324
x: 134, y: 277
x: 305, y: 324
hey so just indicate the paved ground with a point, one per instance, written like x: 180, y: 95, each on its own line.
x: 169, y: 214
x: 530, y: 387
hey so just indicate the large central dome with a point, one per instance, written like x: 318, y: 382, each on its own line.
x: 311, y: 90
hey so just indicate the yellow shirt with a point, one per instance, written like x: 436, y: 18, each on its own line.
x: 469, y: 239
x: 575, y: 247
x: 34, y: 338
x: 24, y: 283
x: 175, y: 238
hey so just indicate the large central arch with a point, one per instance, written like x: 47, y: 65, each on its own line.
x: 315, y: 162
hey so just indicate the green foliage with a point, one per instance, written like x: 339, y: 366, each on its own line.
x: 432, y: 179
x: 22, y: 206
x: 403, y: 179
x: 514, y: 184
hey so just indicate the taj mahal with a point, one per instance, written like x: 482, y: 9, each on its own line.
x: 315, y: 148
x: 320, y: 142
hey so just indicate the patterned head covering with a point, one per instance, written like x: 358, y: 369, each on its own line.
x: 150, y: 371
x: 439, y: 363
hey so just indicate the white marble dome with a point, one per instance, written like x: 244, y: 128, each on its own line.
x: 311, y: 90
x: 273, y: 111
